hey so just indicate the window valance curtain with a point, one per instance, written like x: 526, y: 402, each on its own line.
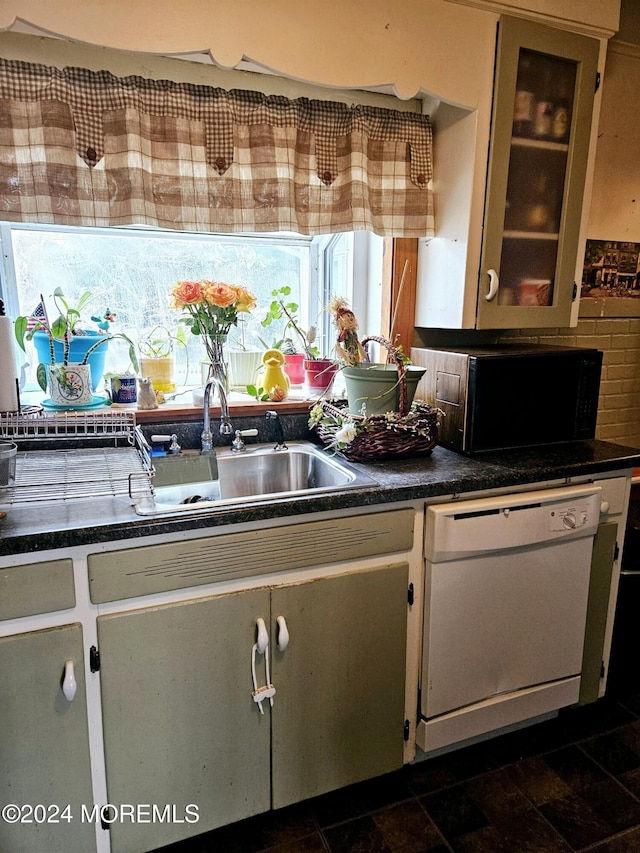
x: 79, y: 147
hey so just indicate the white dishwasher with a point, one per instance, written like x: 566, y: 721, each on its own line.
x: 506, y: 589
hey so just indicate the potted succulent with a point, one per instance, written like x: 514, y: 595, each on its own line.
x: 307, y: 366
x: 283, y: 309
x: 65, y: 351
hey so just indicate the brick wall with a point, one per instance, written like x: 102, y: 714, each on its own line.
x: 619, y: 339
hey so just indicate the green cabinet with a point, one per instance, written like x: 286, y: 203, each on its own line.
x: 44, y: 743
x: 602, y: 564
x: 339, y: 711
x: 541, y: 123
x: 180, y: 726
x: 180, y: 722
x: 509, y: 186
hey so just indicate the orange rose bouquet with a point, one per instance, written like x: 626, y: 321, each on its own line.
x: 211, y: 309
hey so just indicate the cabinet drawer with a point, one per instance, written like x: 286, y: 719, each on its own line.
x: 36, y: 588
x: 132, y: 572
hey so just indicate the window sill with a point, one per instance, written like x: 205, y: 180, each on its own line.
x: 183, y: 410
x: 177, y: 412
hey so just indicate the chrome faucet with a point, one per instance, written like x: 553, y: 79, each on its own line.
x: 225, y: 424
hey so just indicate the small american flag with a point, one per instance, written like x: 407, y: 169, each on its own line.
x: 38, y: 313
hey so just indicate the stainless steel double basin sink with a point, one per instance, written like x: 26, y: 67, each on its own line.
x: 256, y: 474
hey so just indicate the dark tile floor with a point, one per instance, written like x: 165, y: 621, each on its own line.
x: 568, y: 784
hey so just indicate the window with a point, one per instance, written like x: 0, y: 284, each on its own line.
x: 130, y: 271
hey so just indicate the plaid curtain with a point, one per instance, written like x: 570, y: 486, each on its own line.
x: 79, y: 147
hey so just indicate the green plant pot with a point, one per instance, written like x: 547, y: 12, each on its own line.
x: 377, y: 386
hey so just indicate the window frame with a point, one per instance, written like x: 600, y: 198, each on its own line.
x: 319, y: 272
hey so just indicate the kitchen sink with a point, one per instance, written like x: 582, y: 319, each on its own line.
x: 258, y: 473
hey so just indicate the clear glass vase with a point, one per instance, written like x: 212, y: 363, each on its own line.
x: 214, y: 345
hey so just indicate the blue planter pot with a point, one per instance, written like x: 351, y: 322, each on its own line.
x: 79, y: 345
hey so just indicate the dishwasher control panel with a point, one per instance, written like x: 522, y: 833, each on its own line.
x: 569, y: 517
x: 462, y: 529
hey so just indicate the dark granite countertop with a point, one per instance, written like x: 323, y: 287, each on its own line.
x: 37, y: 527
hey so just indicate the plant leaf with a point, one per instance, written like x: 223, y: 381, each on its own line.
x: 86, y: 297
x: 20, y: 329
x: 133, y: 358
x: 59, y: 327
x: 41, y: 375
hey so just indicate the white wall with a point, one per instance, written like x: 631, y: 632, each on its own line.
x: 615, y: 203
x: 410, y: 45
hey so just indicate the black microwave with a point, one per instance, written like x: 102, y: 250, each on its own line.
x: 505, y: 396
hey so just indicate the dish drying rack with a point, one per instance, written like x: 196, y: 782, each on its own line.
x: 57, y: 464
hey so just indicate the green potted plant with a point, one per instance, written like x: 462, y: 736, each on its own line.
x: 244, y: 360
x: 65, y: 351
x: 372, y: 389
x: 282, y: 309
x: 319, y: 374
x: 157, y: 360
x: 319, y: 370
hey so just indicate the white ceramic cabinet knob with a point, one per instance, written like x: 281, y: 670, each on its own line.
x: 262, y: 640
x: 69, y: 683
x: 283, y: 633
x: 494, y: 284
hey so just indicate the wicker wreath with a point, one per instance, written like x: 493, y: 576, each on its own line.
x: 396, y: 435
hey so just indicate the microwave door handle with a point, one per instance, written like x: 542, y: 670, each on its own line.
x: 494, y: 284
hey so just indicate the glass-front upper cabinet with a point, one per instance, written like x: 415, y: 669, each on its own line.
x: 541, y: 123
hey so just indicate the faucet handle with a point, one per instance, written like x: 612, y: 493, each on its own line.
x: 173, y: 449
x: 238, y: 445
x: 206, y: 441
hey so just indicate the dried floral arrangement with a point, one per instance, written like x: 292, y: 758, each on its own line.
x: 407, y: 432
x: 348, y: 349
x: 361, y: 439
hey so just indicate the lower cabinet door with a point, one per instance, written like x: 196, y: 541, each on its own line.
x: 603, y: 558
x: 338, y: 713
x: 45, y: 774
x: 184, y: 741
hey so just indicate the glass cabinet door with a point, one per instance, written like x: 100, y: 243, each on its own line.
x: 543, y: 102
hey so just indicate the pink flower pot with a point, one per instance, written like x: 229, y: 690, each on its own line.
x: 294, y: 368
x: 319, y: 373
